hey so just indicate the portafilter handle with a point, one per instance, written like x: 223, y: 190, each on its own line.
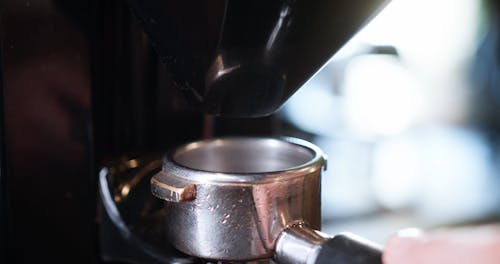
x: 299, y: 244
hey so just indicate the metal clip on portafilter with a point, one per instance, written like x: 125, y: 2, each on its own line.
x: 242, y: 199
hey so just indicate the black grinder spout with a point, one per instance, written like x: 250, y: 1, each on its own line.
x: 246, y: 58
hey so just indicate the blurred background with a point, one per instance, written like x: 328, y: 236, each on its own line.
x: 408, y: 113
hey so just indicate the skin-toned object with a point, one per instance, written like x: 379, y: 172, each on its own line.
x: 458, y: 246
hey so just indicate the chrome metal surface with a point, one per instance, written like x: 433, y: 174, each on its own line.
x: 239, y: 209
x: 243, y: 155
x: 299, y: 244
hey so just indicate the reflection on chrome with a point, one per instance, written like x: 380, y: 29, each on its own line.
x: 129, y: 180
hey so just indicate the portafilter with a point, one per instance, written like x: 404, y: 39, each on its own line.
x: 241, y: 199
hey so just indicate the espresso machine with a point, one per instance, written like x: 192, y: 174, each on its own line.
x: 95, y: 92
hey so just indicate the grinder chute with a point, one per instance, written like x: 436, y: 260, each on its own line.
x: 246, y: 58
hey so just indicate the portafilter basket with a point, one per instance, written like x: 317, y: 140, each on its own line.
x: 240, y: 199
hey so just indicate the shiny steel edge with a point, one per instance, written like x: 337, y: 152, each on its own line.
x: 171, y: 193
x: 172, y: 168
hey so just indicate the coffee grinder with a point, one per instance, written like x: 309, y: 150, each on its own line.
x: 95, y: 92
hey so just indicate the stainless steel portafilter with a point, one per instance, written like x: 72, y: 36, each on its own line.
x: 241, y: 199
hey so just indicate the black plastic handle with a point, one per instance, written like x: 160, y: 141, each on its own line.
x: 348, y: 248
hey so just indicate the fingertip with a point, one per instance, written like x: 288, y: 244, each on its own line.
x: 399, y: 247
x: 410, y: 232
